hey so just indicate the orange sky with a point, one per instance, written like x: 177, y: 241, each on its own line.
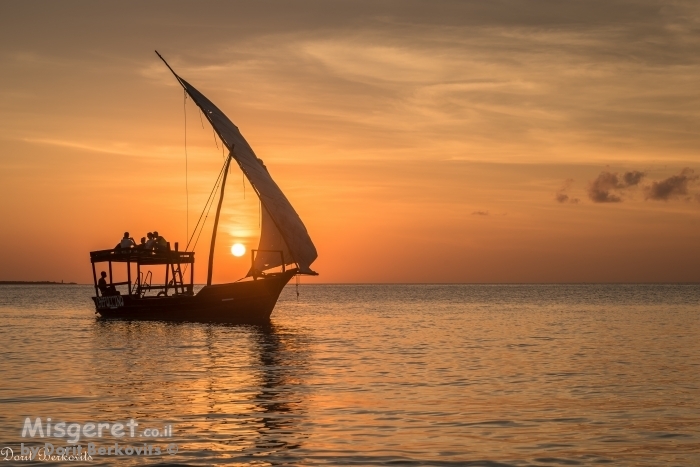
x: 418, y: 141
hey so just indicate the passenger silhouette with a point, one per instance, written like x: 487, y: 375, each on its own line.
x: 142, y: 245
x: 106, y: 290
x: 161, y: 243
x: 127, y: 241
x: 151, y: 242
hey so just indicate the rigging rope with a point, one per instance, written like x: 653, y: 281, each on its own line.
x: 200, y: 120
x: 209, y: 200
x: 202, y: 229
x: 187, y: 188
x: 210, y: 203
x: 213, y: 133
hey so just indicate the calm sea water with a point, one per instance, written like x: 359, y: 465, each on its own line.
x: 492, y: 375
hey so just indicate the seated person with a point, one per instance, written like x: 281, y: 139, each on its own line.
x: 106, y: 290
x: 151, y: 242
x: 142, y: 245
x: 127, y: 242
x: 160, y: 243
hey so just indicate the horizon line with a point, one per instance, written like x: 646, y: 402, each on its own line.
x: 19, y: 282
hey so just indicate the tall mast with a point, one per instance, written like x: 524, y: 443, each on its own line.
x: 216, y: 219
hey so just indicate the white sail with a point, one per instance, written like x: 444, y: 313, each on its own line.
x: 272, y: 249
x: 281, y: 215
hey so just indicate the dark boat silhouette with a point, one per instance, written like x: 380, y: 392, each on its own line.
x: 285, y: 250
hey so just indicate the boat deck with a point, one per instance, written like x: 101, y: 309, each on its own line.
x: 144, y: 257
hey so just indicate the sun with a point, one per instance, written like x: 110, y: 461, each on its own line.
x: 238, y: 249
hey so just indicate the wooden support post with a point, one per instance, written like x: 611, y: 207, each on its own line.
x: 191, y: 278
x: 182, y: 286
x: 174, y: 271
x: 128, y: 275
x: 94, y: 279
x: 167, y: 266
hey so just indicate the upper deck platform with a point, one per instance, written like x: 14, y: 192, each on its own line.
x: 145, y: 257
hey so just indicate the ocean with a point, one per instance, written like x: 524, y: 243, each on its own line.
x: 487, y: 375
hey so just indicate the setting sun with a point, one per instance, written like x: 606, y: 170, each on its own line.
x: 238, y: 250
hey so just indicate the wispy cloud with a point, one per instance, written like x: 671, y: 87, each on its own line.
x: 607, y: 187
x: 123, y: 150
x: 117, y: 148
x: 561, y: 196
x: 673, y: 187
x: 632, y: 178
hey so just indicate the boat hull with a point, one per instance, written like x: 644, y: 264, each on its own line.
x: 238, y: 302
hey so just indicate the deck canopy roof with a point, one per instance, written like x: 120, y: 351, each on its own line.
x: 145, y: 257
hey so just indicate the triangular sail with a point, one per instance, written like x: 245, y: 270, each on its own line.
x: 281, y: 213
x: 272, y: 250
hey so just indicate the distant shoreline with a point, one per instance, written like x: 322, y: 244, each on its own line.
x: 36, y: 283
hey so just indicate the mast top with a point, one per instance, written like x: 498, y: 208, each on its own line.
x: 166, y: 64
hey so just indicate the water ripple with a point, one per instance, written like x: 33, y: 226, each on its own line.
x: 489, y: 375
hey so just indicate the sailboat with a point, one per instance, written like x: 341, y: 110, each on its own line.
x: 285, y: 250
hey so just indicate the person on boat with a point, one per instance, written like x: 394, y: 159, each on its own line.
x: 127, y: 242
x: 142, y: 245
x: 151, y: 242
x: 106, y: 290
x: 161, y: 243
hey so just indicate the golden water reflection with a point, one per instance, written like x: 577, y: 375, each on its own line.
x: 227, y: 390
